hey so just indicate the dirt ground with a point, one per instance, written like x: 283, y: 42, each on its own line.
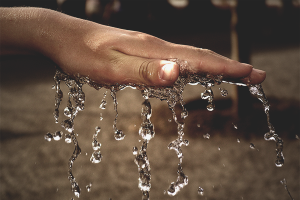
x: 32, y: 168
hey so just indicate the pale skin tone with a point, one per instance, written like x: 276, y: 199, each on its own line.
x: 109, y: 55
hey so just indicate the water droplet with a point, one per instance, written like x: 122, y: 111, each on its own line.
x: 135, y: 150
x: 48, y: 137
x: 206, y: 136
x: 68, y: 138
x: 96, y: 157
x: 57, y: 135
x: 169, y: 120
x: 238, y: 140
x: 252, y: 146
x: 184, y: 114
x: 68, y: 112
x: 205, y: 95
x: 76, y: 189
x: 101, y: 118
x: 219, y: 148
x: 103, y: 104
x: 68, y: 125
x: 146, y: 131
x: 234, y: 126
x: 224, y: 92
x: 88, y: 187
x: 119, y: 135
x: 96, y: 145
x: 97, y: 129
x: 200, y: 191
x: 198, y: 125
x: 210, y: 107
x: 297, y: 137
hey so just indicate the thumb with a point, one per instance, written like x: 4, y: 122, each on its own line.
x: 152, y: 72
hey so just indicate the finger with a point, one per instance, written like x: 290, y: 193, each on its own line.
x: 200, y: 60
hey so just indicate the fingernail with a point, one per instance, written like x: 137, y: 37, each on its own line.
x: 258, y: 71
x: 167, y: 72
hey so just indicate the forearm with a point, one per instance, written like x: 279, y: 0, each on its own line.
x: 36, y: 30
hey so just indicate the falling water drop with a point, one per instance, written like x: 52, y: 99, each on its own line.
x: 57, y: 135
x: 96, y: 157
x: 206, y: 136
x: 252, y: 146
x: 198, y: 125
x: 134, y: 151
x: 200, y: 191
x: 48, y: 137
x: 119, y: 135
x: 68, y: 138
x: 234, y: 126
x: 96, y: 145
x: 238, y: 140
x: 88, y: 187
x: 184, y: 114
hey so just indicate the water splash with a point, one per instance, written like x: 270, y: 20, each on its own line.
x: 173, y: 96
x: 257, y: 91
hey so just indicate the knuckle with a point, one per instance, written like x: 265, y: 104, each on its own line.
x: 144, y: 71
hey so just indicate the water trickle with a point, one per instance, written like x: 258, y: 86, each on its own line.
x: 119, y: 135
x: 103, y: 102
x: 146, y: 131
x: 96, y: 155
x: 284, y: 183
x: 257, y: 91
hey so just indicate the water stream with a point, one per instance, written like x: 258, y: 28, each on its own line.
x: 172, y: 95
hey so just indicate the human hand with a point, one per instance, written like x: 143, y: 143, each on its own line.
x: 109, y: 55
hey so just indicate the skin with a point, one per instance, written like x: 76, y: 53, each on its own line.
x: 106, y: 54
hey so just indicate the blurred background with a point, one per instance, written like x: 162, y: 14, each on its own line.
x: 264, y: 33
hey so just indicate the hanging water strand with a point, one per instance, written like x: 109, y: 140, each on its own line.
x: 119, y: 135
x: 76, y: 95
x: 147, y: 132
x: 257, y: 91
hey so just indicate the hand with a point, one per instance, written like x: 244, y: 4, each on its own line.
x: 109, y: 55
